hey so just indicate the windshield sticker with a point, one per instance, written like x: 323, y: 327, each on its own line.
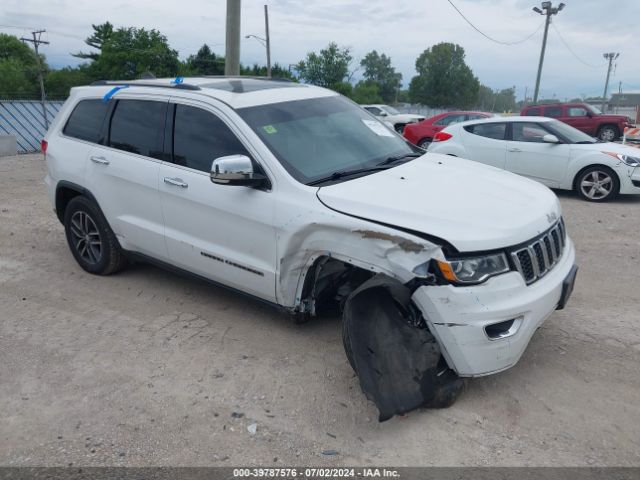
x: 378, y: 128
x: 270, y: 129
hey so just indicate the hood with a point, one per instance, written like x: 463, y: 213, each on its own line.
x: 470, y: 205
x: 608, y: 147
x: 612, y: 118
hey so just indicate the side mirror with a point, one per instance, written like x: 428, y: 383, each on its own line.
x: 548, y: 138
x: 236, y: 170
x: 589, y: 113
x: 382, y: 113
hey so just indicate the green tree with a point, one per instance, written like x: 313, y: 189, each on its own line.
x: 366, y: 92
x: 486, y: 98
x: 378, y: 70
x: 329, y: 68
x: 444, y: 79
x: 277, y: 71
x: 505, y: 100
x: 127, y: 53
x: 204, y: 62
x: 57, y: 83
x: 18, y: 69
x: 101, y: 34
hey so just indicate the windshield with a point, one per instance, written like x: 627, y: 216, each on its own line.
x: 568, y: 133
x: 595, y: 110
x: 390, y: 110
x: 318, y: 137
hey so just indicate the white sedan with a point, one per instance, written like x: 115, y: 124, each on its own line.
x: 548, y: 151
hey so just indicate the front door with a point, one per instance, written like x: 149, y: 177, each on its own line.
x: 530, y: 156
x: 224, y: 233
x: 578, y: 117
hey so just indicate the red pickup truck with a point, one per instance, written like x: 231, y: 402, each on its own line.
x: 584, y: 117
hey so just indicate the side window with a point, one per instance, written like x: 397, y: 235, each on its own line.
x: 85, y: 122
x: 533, y: 112
x: 528, y: 132
x: 553, y: 112
x: 375, y: 110
x: 199, y: 137
x: 489, y: 130
x: 475, y: 117
x: 450, y: 120
x: 137, y: 127
x: 577, y: 112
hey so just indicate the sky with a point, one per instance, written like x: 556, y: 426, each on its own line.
x: 574, y: 64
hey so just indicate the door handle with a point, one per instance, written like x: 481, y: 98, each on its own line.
x: 100, y: 160
x: 516, y: 150
x: 175, y: 181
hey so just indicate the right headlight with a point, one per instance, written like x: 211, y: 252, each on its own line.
x: 472, y: 270
x: 626, y: 159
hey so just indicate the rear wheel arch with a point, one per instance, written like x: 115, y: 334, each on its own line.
x: 65, y: 192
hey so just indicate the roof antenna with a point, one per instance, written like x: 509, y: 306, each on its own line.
x: 147, y: 76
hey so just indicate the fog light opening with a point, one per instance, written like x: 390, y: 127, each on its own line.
x: 504, y: 329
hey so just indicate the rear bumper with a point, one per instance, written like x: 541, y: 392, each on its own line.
x: 458, y: 316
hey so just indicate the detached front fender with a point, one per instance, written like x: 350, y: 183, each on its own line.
x: 364, y: 244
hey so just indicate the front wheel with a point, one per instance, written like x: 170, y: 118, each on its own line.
x: 597, y: 184
x: 92, y: 243
x: 608, y: 133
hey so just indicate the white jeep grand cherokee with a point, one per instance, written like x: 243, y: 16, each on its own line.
x: 443, y: 268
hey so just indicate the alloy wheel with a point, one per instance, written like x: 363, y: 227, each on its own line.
x: 608, y: 135
x: 596, y: 185
x: 86, y: 237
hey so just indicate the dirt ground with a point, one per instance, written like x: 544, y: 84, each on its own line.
x: 149, y: 368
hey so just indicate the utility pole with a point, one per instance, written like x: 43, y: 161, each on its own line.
x: 548, y: 10
x: 36, y: 42
x: 268, y: 41
x: 611, y: 57
x: 232, y: 59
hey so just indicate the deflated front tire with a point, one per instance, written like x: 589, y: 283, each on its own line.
x: 396, y: 358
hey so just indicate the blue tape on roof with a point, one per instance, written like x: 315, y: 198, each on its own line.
x: 178, y: 80
x: 112, y: 92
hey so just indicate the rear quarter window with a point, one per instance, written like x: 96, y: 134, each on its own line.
x: 488, y: 130
x: 86, y: 120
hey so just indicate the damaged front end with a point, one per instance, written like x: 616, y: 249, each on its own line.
x: 369, y: 275
x: 397, y: 359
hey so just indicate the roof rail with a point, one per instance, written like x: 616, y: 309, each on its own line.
x: 135, y: 83
x: 247, y: 77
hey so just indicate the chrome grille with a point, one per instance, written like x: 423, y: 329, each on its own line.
x: 540, y: 256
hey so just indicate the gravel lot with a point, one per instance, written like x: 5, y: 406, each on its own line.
x: 148, y: 368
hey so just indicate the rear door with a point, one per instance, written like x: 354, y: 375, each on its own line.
x: 222, y: 232
x: 486, y: 143
x: 123, y: 173
x: 530, y: 156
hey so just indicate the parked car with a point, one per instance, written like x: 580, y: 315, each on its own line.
x: 421, y: 134
x: 294, y: 195
x: 586, y: 118
x: 393, y: 117
x: 548, y: 151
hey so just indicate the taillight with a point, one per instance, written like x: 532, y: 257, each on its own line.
x: 43, y: 146
x: 442, y: 136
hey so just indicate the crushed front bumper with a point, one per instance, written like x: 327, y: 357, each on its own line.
x: 458, y: 316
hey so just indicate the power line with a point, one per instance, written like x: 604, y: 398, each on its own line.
x: 571, y: 50
x: 487, y: 36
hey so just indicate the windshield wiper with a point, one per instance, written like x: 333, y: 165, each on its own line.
x: 346, y: 173
x: 586, y: 142
x: 397, y: 158
x: 380, y: 166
